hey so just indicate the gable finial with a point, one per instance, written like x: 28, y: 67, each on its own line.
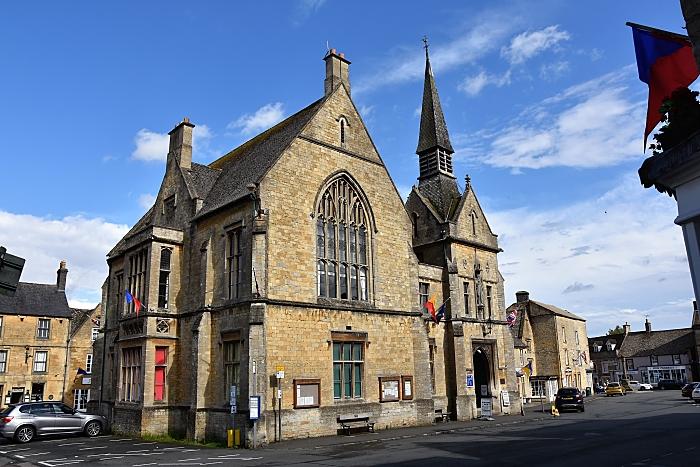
x: 425, y: 45
x: 468, y: 182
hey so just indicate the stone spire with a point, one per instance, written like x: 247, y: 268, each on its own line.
x: 433, y: 131
x: 436, y: 180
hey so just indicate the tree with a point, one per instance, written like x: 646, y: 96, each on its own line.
x: 616, y: 330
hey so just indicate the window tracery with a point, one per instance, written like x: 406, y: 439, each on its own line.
x: 342, y: 243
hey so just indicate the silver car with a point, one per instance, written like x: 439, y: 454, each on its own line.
x: 24, y: 421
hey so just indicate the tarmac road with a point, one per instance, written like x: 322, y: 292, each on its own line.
x: 641, y: 429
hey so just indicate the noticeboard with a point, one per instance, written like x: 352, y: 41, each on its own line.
x: 254, y: 406
x: 486, y: 409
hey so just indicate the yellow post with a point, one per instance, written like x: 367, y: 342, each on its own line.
x: 229, y: 438
x: 237, y: 438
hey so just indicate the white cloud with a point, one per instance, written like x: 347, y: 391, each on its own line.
x: 473, y: 85
x: 43, y: 242
x: 152, y: 146
x: 528, y: 44
x: 552, y: 71
x: 619, y: 250
x: 265, y: 117
x: 306, y: 8
x: 593, y: 124
x: 146, y: 200
x: 483, y: 36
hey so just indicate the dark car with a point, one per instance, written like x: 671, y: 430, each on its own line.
x: 669, y: 384
x: 569, y: 398
x: 687, y: 390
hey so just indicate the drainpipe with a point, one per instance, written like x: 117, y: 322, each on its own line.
x: 104, y: 338
x: 65, y: 364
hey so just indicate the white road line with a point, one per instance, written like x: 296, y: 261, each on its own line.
x: 108, y: 458
x: 144, y: 465
x: 190, y: 460
x: 91, y: 448
x: 171, y: 449
x: 118, y: 440
x: 37, y: 454
x: 139, y: 450
x: 52, y: 464
x: 70, y: 444
x: 143, y: 444
x: 227, y: 456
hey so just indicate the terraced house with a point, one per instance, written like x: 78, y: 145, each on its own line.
x: 43, y: 342
x: 291, y: 269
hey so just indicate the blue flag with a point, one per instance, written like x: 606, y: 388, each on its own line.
x: 128, y: 296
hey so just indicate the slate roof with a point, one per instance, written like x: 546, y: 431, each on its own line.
x: 250, y: 162
x: 604, y: 353
x: 200, y: 179
x: 668, y: 342
x: 36, y: 300
x: 433, y: 131
x: 442, y: 193
x: 80, y: 316
x: 558, y: 311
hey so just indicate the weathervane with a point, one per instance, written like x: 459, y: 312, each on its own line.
x: 425, y: 45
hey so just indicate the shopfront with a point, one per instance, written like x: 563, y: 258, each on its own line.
x: 654, y: 374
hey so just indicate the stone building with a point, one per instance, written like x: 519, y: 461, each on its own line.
x: 291, y: 269
x: 648, y: 356
x: 555, y: 341
x: 84, y: 329
x: 605, y: 356
x: 37, y: 339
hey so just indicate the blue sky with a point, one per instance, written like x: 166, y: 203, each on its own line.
x: 541, y: 99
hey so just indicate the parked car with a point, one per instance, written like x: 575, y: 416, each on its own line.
x: 669, y: 384
x: 630, y: 385
x: 645, y: 387
x: 696, y: 394
x: 687, y: 390
x: 569, y: 398
x: 24, y: 421
x: 614, y: 389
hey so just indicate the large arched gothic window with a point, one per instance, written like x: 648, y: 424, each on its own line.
x: 342, y: 243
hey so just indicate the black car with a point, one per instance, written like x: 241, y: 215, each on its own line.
x: 669, y: 384
x: 569, y: 398
x: 687, y: 390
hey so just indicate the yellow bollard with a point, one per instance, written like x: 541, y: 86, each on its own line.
x: 237, y: 438
x: 229, y: 438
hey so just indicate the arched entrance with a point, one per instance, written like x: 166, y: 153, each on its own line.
x: 482, y: 375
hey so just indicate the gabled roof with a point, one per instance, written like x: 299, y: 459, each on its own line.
x: 602, y: 341
x: 442, y: 193
x: 142, y: 223
x: 200, y: 179
x: 668, y: 342
x: 80, y: 316
x: 558, y: 311
x: 36, y: 300
x: 433, y: 130
x: 250, y: 162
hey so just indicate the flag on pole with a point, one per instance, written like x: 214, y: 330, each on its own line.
x: 527, y: 369
x: 665, y: 62
x: 131, y: 299
x: 430, y: 306
x: 440, y: 313
x: 82, y: 372
x: 128, y: 297
x: 511, y: 318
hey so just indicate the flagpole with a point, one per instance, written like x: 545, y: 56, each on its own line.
x: 661, y: 32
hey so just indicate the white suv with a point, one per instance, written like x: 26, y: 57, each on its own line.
x: 696, y: 394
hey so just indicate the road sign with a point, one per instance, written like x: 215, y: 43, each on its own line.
x: 254, y: 406
x: 280, y: 374
x: 470, y: 380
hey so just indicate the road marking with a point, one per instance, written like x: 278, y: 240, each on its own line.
x: 37, y: 454
x: 70, y: 444
x: 144, y: 465
x: 53, y: 464
x: 118, y: 440
x: 190, y: 460
x: 139, y: 450
x: 91, y: 448
x: 143, y: 444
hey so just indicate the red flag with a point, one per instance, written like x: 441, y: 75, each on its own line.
x: 137, y: 305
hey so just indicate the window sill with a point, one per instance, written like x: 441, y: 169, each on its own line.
x: 360, y: 304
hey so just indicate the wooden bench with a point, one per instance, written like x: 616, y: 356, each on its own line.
x: 442, y: 416
x: 358, y: 420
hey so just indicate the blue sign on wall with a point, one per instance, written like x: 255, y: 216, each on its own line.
x: 470, y: 380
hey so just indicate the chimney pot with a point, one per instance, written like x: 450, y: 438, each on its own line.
x: 186, y: 120
x: 647, y: 325
x: 333, y: 51
x: 341, y: 54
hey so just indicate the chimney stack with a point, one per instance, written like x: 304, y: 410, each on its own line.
x: 61, y: 276
x: 522, y: 296
x: 181, y: 143
x: 647, y: 325
x: 626, y: 327
x: 337, y: 72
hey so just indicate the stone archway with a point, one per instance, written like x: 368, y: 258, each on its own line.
x: 482, y: 375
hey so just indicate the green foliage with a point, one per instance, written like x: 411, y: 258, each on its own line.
x: 616, y: 330
x: 681, y: 118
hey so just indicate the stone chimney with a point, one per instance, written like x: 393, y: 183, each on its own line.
x: 61, y: 276
x: 626, y: 327
x: 647, y: 325
x: 522, y: 296
x: 337, y: 72
x: 181, y: 143
x: 696, y: 317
